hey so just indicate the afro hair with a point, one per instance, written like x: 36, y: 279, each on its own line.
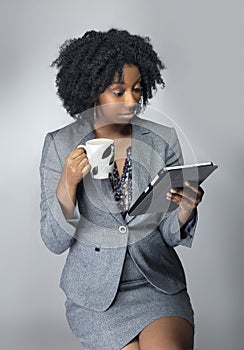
x: 87, y: 66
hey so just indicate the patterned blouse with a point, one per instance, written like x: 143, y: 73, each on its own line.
x: 122, y: 187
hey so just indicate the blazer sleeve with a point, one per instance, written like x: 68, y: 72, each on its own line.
x: 56, y: 232
x: 169, y: 227
x: 171, y: 232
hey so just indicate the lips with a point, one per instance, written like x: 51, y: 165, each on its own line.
x: 126, y: 115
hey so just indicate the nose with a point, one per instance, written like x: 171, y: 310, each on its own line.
x: 130, y: 100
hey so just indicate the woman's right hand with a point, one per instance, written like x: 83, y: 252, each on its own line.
x: 76, y: 166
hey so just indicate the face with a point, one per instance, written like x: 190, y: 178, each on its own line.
x: 117, y: 104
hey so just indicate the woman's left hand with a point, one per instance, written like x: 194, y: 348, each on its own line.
x: 188, y: 198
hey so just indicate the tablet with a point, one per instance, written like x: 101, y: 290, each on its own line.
x: 153, y: 199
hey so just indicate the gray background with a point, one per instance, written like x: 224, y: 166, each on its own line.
x: 201, y: 43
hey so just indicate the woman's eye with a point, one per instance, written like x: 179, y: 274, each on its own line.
x: 118, y: 93
x: 138, y: 89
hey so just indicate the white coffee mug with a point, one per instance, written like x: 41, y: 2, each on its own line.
x: 100, y: 154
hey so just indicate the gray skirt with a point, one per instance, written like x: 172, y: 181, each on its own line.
x: 136, y: 304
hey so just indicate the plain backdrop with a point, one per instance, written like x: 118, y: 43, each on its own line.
x: 201, y: 43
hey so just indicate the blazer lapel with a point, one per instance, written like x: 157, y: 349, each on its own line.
x: 141, y: 154
x: 109, y: 200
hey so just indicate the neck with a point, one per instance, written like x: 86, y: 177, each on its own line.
x: 112, y: 131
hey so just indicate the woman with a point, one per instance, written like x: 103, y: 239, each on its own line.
x: 124, y: 283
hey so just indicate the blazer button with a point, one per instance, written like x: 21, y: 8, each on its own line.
x: 122, y: 229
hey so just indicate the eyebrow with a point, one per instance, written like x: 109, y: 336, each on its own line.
x: 122, y: 82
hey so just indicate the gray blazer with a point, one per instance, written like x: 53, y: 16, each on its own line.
x: 98, y: 236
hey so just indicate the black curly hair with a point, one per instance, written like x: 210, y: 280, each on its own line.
x: 87, y: 65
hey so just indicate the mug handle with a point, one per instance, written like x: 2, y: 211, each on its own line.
x: 82, y: 146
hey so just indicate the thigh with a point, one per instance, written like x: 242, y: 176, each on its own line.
x: 133, y: 345
x: 167, y: 333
